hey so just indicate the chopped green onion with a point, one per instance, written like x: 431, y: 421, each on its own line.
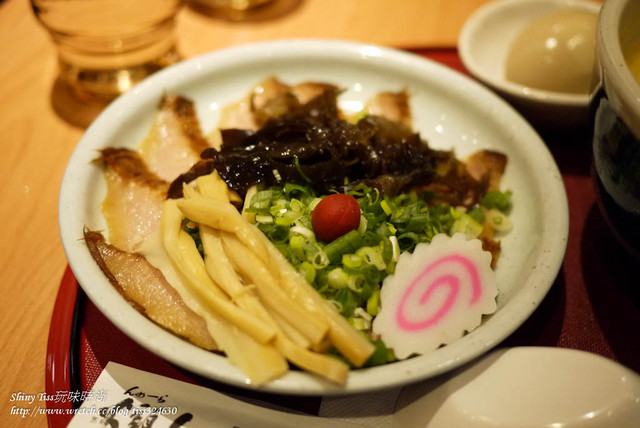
x: 358, y: 323
x: 261, y: 218
x: 360, y: 319
x: 296, y: 205
x: 320, y: 259
x: 396, y: 248
x: 288, y: 218
x: 399, y: 214
x: 498, y: 200
x: 292, y: 190
x: 362, y: 227
x: 259, y: 204
x: 373, y: 256
x: 338, y: 278
x: 278, y: 206
x: 297, y: 244
x: 262, y: 195
x: 352, y: 261
x: 300, y: 230
x: 348, y: 272
x: 499, y: 221
x: 467, y: 225
x: 381, y: 355
x: 308, y: 271
x: 355, y: 283
x: 407, y: 241
x: 417, y: 222
x: 314, y: 203
x: 373, y: 303
x: 347, y: 301
x: 276, y: 233
x: 304, y: 176
x: 477, y: 214
x: 347, y: 243
x: 386, y: 207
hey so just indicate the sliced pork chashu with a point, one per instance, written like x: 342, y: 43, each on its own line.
x: 148, y: 291
x: 487, y: 165
x: 133, y: 205
x: 175, y: 141
x: 267, y: 100
x: 393, y: 106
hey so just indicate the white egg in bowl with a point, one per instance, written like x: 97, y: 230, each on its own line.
x: 450, y: 111
x: 537, y: 54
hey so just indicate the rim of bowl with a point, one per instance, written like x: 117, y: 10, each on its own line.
x: 613, y: 64
x: 474, y: 24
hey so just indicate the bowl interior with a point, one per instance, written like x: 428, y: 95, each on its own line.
x: 450, y: 111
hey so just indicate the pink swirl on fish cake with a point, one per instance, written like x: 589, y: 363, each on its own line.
x: 450, y: 280
x: 436, y: 295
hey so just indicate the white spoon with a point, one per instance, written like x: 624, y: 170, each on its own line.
x: 528, y: 387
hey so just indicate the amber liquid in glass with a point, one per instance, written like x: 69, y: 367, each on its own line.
x: 107, y: 46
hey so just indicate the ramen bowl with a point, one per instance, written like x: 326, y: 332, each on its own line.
x: 616, y: 106
x: 449, y: 110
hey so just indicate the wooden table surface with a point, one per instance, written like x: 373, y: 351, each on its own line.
x: 36, y: 145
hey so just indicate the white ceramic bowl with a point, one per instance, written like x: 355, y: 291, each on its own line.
x: 450, y: 111
x: 616, y: 140
x: 485, y: 41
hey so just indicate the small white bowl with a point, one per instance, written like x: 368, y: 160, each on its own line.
x: 483, y: 46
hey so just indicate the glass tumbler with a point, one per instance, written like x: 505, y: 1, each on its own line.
x: 106, y: 46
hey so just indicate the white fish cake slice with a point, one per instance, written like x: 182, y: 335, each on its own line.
x: 436, y: 294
